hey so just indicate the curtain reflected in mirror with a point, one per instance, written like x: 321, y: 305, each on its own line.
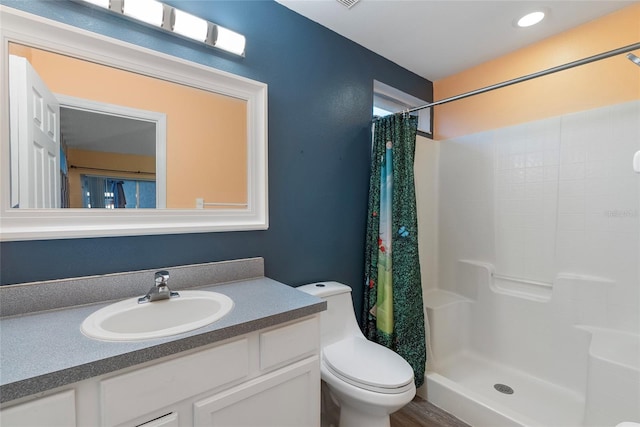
x: 113, y: 193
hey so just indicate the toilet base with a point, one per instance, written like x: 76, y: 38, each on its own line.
x: 333, y: 415
x: 349, y: 417
x: 329, y: 408
x: 344, y: 405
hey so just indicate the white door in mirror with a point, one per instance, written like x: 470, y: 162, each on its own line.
x: 129, y: 321
x: 636, y: 162
x: 35, y: 141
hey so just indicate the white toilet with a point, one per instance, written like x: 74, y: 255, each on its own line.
x: 368, y: 381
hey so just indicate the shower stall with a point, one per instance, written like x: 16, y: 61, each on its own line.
x: 532, y: 292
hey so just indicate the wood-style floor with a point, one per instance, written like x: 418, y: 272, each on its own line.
x: 420, y: 413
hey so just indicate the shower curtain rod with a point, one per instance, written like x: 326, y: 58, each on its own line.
x: 110, y: 170
x: 552, y: 70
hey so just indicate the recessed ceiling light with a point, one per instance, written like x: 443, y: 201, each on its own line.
x: 531, y: 19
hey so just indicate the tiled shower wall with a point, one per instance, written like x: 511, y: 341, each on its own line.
x: 526, y: 199
x: 548, y: 198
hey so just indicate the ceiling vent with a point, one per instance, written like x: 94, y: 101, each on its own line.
x: 348, y: 3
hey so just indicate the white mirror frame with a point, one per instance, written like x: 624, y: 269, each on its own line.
x: 30, y: 224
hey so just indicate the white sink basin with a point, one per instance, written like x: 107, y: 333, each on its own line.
x: 129, y: 321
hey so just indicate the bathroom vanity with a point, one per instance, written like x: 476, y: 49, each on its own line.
x: 257, y: 366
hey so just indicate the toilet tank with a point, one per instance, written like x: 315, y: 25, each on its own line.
x: 339, y: 320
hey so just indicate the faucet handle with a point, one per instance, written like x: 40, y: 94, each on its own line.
x: 161, y: 278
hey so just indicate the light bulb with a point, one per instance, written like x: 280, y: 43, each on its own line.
x: 190, y: 26
x: 149, y: 11
x: 530, y: 19
x: 230, y: 41
x: 100, y: 3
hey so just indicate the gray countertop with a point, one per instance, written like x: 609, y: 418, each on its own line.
x: 42, y: 351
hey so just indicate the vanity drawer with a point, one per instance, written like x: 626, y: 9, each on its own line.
x: 289, y: 343
x: 55, y: 410
x: 140, y: 392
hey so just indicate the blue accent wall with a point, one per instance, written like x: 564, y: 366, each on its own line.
x: 320, y: 103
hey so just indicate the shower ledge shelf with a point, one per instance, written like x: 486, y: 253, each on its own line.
x: 521, y: 288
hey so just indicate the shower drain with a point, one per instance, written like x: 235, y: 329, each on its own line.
x: 503, y: 388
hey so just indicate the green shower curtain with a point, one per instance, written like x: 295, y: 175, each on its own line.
x: 393, y: 312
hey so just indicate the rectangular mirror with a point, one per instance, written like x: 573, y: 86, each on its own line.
x: 164, y: 144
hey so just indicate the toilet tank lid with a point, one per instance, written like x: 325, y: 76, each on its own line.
x: 324, y: 289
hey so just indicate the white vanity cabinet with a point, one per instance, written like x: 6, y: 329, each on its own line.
x: 270, y: 377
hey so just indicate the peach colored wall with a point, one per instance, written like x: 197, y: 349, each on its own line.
x: 206, y: 132
x: 602, y: 83
x: 101, y: 160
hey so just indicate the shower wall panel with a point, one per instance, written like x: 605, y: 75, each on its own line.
x: 547, y: 200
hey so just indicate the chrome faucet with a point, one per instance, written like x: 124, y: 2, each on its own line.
x: 160, y: 290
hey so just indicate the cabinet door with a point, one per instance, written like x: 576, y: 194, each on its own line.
x: 55, y: 410
x: 287, y: 397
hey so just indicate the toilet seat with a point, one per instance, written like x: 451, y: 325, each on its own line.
x: 368, y: 365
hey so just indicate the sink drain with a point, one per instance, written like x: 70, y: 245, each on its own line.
x: 503, y: 388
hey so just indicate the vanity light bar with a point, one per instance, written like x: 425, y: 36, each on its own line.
x: 170, y: 19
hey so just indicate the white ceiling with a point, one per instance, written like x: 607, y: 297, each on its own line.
x: 87, y: 130
x: 436, y: 39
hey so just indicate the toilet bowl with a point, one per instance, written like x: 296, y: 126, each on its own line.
x: 366, y: 380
